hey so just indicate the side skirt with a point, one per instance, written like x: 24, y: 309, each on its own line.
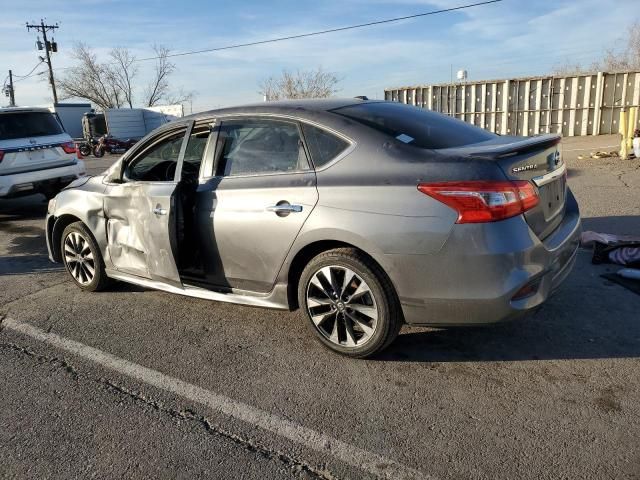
x: 277, y: 298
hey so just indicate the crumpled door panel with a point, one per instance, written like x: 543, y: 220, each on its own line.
x: 139, y: 240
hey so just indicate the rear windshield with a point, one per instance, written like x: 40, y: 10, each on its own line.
x: 28, y: 124
x: 415, y: 126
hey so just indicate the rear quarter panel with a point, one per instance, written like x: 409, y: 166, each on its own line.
x: 369, y: 199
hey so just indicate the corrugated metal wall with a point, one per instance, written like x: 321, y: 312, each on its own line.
x: 137, y: 122
x: 573, y: 105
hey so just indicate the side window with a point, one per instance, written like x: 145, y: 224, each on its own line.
x: 194, y: 152
x: 158, y: 163
x: 249, y: 147
x: 323, y: 146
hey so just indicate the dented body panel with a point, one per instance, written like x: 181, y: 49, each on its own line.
x: 139, y: 225
x: 81, y: 201
x: 443, y: 273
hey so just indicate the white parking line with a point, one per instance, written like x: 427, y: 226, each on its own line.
x: 369, y: 462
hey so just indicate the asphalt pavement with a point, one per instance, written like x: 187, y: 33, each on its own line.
x: 134, y: 383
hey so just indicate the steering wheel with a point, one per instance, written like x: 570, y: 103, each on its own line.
x: 170, y: 172
x: 170, y: 152
x: 190, y: 170
x: 161, y: 172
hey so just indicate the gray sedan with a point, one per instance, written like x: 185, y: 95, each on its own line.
x: 365, y: 214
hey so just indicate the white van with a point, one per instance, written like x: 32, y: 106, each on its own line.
x: 36, y: 154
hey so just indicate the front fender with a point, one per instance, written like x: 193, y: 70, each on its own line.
x: 84, y: 204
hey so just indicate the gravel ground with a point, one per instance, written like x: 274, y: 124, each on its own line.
x: 554, y: 395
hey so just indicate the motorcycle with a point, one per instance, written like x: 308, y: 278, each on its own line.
x: 111, y: 145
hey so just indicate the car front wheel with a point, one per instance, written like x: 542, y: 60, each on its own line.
x: 350, y: 303
x: 82, y: 258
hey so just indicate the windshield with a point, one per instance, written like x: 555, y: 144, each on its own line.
x: 28, y: 124
x: 415, y: 126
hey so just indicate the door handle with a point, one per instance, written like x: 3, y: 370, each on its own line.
x: 285, y: 208
x: 159, y: 211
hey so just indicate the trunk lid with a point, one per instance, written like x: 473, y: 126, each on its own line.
x: 537, y: 160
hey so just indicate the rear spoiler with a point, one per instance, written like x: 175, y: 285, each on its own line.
x: 510, y: 146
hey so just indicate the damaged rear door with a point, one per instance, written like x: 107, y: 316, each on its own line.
x: 140, y: 208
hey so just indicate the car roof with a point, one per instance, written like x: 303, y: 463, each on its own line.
x: 24, y: 109
x: 302, y: 108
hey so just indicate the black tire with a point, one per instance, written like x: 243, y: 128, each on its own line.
x: 98, y: 152
x: 383, y: 298
x: 85, y: 150
x: 99, y: 281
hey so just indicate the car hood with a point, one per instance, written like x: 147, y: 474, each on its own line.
x: 88, y: 182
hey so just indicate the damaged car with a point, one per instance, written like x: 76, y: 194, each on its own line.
x: 367, y: 215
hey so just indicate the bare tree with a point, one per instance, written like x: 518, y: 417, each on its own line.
x: 91, y: 79
x: 629, y: 58
x: 158, y: 88
x: 123, y: 72
x: 179, y: 97
x: 568, y: 69
x: 300, y: 84
x: 613, y: 61
x: 112, y: 84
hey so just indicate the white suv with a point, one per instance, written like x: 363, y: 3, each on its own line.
x: 36, y: 154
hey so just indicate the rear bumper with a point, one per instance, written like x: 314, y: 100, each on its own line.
x: 481, y: 267
x: 48, y: 180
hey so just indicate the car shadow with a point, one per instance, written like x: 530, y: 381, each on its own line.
x: 532, y: 338
x: 24, y: 249
x: 32, y: 207
x: 27, y: 264
x: 619, y: 225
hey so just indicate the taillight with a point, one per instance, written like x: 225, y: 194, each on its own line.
x: 69, y: 147
x: 484, y: 201
x: 1, y: 155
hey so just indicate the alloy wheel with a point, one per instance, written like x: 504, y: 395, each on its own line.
x: 79, y: 258
x: 342, y: 306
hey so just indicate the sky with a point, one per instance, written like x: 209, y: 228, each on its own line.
x: 503, y: 40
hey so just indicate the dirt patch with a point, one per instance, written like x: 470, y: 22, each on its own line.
x: 608, y: 401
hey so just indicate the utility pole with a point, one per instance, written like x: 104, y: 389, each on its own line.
x: 48, y: 47
x: 9, y: 92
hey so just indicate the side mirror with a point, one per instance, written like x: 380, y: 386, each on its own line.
x: 114, y: 173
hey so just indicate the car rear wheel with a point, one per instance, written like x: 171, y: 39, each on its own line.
x: 82, y: 258
x: 350, y: 303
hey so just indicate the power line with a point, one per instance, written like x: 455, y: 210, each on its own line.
x: 24, y: 77
x: 320, y: 32
x: 33, y: 75
x: 323, y: 32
